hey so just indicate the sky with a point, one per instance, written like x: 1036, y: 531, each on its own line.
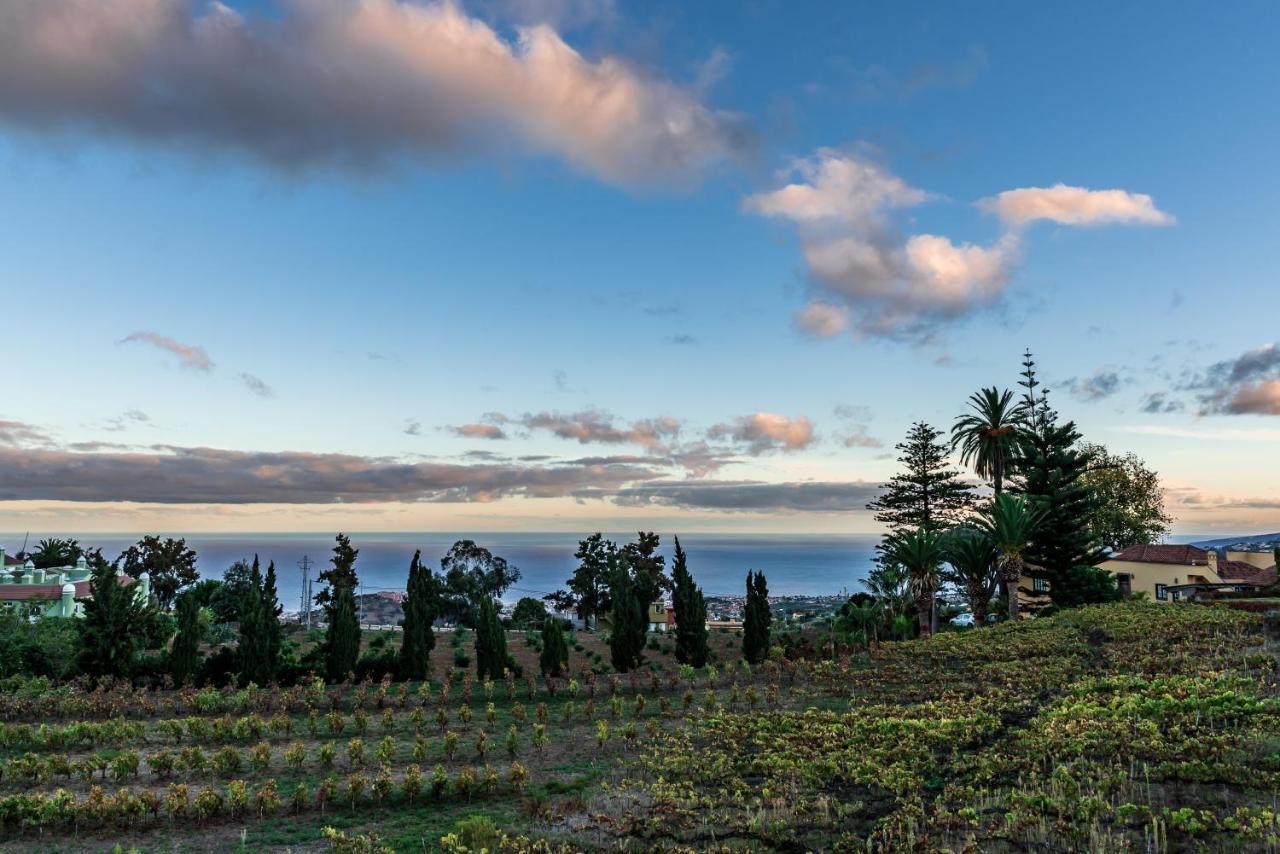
x: 560, y: 265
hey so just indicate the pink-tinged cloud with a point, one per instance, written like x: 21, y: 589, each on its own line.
x: 1246, y: 385
x: 822, y: 319
x: 592, y: 425
x: 1075, y: 206
x: 188, y: 355
x: 350, y: 84
x: 183, y: 475
x: 766, y: 431
x: 480, y: 431
x: 866, y: 276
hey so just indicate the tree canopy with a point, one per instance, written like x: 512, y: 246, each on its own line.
x: 471, y: 575
x: 170, y: 565
x: 1127, y: 502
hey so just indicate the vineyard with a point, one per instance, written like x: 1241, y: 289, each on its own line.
x: 1118, y: 727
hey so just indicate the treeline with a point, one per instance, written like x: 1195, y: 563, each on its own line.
x: 217, y: 631
x: 1049, y: 508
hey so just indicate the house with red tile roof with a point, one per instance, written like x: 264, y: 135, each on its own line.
x: 56, y: 591
x: 1168, y: 573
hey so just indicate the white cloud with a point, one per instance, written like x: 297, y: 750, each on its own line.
x: 766, y: 431
x: 869, y: 278
x: 349, y: 84
x: 1075, y: 206
x: 836, y: 186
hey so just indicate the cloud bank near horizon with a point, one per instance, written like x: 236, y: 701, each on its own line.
x: 39, y: 468
x: 352, y: 85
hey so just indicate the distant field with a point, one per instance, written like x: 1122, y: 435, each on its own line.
x: 1123, y: 727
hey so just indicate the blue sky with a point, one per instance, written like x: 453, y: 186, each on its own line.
x: 429, y: 248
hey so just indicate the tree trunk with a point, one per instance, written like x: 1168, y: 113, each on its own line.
x: 924, y: 615
x: 1012, y: 572
x: 978, y: 595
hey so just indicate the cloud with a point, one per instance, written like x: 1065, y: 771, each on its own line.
x: 681, y: 339
x: 593, y: 425
x: 257, y: 385
x: 1246, y: 385
x: 189, y: 355
x: 1101, y: 384
x: 479, y: 431
x: 822, y: 319
x: 1159, y: 402
x: 836, y: 186
x: 868, y: 277
x: 751, y: 496
x: 858, y: 437
x: 20, y: 433
x: 413, y: 428
x: 181, y: 475
x: 352, y: 85
x: 1074, y: 206
x: 126, y: 419
x: 766, y: 431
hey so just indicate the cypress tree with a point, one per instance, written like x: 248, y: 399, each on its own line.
x: 419, y: 613
x: 252, y: 649
x: 554, y: 658
x: 271, y: 610
x: 184, y: 659
x: 114, y: 623
x: 756, y: 619
x: 340, y: 573
x: 626, y: 639
x: 491, y: 643
x: 342, y: 641
x: 691, y: 613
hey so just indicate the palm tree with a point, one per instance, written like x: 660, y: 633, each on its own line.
x: 919, y: 553
x: 1010, y: 523
x: 973, y: 568
x: 985, y: 437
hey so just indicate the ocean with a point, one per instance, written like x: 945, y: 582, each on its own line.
x: 811, y: 565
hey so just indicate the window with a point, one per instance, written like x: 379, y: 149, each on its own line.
x: 1041, y: 585
x: 1124, y: 583
x: 1162, y: 592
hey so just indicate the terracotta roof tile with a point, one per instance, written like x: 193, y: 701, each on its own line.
x: 1238, y: 570
x: 1182, y: 555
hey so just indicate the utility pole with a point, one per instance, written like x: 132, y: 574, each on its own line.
x: 360, y: 619
x: 304, y: 613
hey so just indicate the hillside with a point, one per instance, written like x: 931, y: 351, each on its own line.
x: 1119, y: 727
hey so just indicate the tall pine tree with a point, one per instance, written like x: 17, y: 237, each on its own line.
x: 491, y: 643
x: 929, y: 492
x: 184, y: 658
x: 1049, y: 467
x: 691, y: 612
x: 420, y: 607
x: 114, y: 625
x: 757, y: 618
